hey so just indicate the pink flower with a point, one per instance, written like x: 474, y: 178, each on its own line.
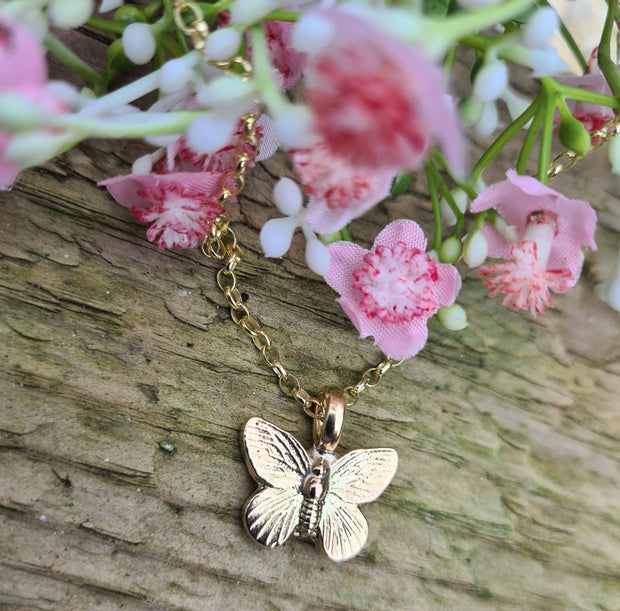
x: 287, y: 62
x: 338, y: 192
x: 391, y: 290
x: 181, y: 199
x: 377, y: 102
x: 22, y: 72
x: 591, y: 115
x: 550, y: 229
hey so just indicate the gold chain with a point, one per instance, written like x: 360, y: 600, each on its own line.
x: 221, y: 244
x: 598, y: 137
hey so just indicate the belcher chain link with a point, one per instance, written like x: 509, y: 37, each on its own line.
x: 221, y: 244
x: 598, y: 138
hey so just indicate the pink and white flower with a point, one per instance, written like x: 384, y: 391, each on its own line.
x: 19, y: 49
x: 377, y: 102
x: 550, y: 232
x: 337, y: 191
x: 390, y: 291
x: 181, y: 199
x: 592, y: 116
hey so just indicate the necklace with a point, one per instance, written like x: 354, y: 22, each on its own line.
x: 310, y: 494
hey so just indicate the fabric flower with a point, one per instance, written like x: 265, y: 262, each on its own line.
x: 592, y: 116
x: 377, y: 102
x: 550, y: 231
x: 181, y: 198
x: 18, y: 48
x: 391, y: 290
x: 286, y: 62
x: 338, y: 192
x: 277, y: 234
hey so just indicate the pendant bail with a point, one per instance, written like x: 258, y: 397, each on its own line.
x: 328, y: 428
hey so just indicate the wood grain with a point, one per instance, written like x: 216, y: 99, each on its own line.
x: 124, y: 386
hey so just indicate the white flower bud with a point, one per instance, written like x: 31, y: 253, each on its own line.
x: 545, y: 62
x: 475, y: 249
x: 508, y: 232
x: 276, y: 236
x: 287, y: 196
x: 109, y: 5
x: 312, y: 33
x: 470, y: 109
x: 542, y: 26
x: 211, y: 132
x: 450, y: 250
x: 69, y: 13
x: 33, y: 148
x: 247, y: 12
x: 229, y: 93
x: 453, y: 318
x: 138, y: 43
x: 488, y: 122
x: 223, y: 44
x: 613, y: 295
x: 613, y: 150
x: 293, y: 126
x: 516, y: 104
x: 317, y: 254
x: 18, y: 113
x: 491, y: 81
x: 460, y: 199
x: 142, y: 165
x: 174, y: 75
x: 67, y: 93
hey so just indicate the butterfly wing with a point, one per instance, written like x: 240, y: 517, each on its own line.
x: 279, y: 463
x: 271, y: 515
x: 357, y: 477
x: 274, y: 457
x: 362, y: 475
x: 342, y: 529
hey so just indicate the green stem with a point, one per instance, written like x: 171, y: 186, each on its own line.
x: 105, y: 25
x: 501, y: 141
x: 150, y: 10
x: 429, y: 167
x: 270, y: 92
x: 530, y: 137
x: 280, y: 15
x: 170, y: 46
x: 439, y: 181
x: 211, y: 11
x: 546, y: 134
x: 573, y: 46
x: 135, y: 125
x: 583, y: 95
x: 479, y: 220
x: 605, y: 63
x: 68, y: 57
x: 445, y: 166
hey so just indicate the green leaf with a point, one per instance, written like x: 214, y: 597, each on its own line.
x: 401, y: 184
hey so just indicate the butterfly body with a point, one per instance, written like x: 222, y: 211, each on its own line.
x: 314, y: 488
x: 311, y: 494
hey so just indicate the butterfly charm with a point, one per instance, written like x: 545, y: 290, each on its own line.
x: 311, y: 494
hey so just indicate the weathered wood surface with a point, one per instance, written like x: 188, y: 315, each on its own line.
x: 124, y: 385
x: 507, y: 494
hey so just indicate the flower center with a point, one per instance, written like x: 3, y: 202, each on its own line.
x: 396, y: 284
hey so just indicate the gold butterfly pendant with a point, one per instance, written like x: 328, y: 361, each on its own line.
x: 312, y: 494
